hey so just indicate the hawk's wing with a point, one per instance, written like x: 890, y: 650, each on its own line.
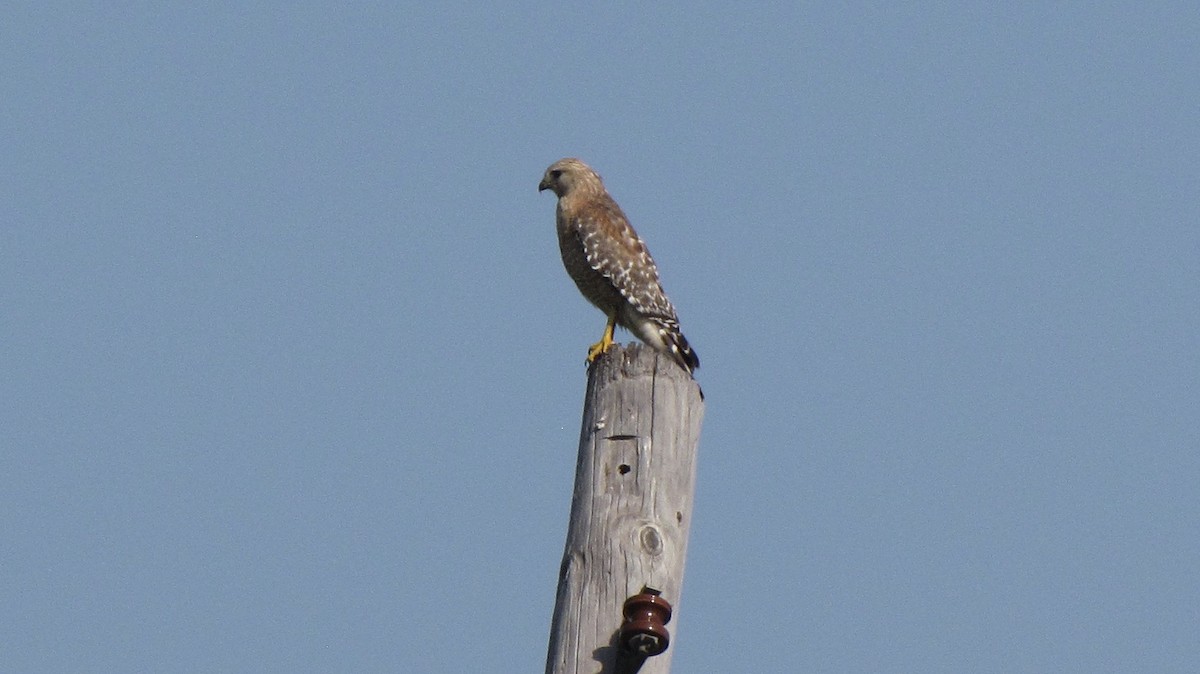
x: 615, y: 250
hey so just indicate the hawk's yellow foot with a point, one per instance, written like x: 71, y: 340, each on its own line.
x: 605, y: 342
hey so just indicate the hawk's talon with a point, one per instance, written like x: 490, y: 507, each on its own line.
x: 605, y: 343
x: 596, y: 350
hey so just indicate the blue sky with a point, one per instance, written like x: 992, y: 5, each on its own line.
x: 293, y: 375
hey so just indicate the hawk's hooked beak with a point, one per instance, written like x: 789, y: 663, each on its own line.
x: 544, y: 185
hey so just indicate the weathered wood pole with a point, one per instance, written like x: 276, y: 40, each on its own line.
x: 631, y: 509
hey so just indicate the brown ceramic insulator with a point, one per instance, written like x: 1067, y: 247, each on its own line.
x: 644, y: 631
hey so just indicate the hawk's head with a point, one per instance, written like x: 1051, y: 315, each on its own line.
x: 566, y: 174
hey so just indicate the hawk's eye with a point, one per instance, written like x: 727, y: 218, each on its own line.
x: 555, y: 174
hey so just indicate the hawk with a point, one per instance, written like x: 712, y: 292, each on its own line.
x: 610, y: 264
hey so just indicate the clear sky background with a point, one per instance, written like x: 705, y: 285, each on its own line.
x: 292, y: 375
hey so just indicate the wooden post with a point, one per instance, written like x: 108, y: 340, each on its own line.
x: 631, y: 509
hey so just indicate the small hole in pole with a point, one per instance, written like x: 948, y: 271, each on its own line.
x: 623, y: 468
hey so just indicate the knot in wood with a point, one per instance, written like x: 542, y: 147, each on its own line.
x: 651, y: 540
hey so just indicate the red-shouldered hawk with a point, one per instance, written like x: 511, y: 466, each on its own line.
x: 610, y: 263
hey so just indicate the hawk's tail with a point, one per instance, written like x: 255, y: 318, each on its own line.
x: 676, y: 345
x: 682, y: 352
